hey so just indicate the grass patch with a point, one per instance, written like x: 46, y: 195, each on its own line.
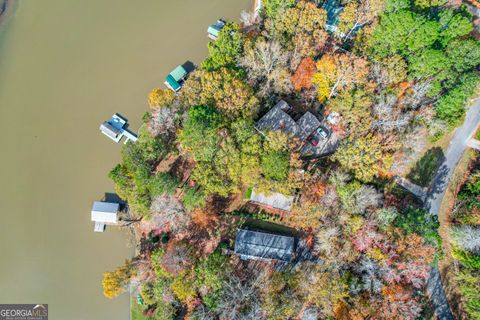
x: 424, y: 170
x: 248, y: 193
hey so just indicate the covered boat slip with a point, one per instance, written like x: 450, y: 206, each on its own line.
x: 214, y: 29
x: 257, y: 245
x: 104, y: 213
x: 174, y: 78
x: 115, y: 129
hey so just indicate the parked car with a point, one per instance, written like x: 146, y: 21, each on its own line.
x: 321, y: 133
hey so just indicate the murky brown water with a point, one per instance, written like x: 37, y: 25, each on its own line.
x: 66, y: 66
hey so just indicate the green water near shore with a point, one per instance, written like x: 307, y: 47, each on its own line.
x: 66, y: 66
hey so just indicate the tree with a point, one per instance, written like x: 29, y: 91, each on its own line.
x: 302, y: 78
x: 275, y: 165
x: 454, y: 24
x: 226, y: 49
x: 463, y: 55
x: 264, y: 60
x: 396, y: 68
x: 451, y: 106
x: 403, y: 32
x: 338, y: 72
x: 160, y: 98
x: 423, y: 4
x: 199, y: 135
x: 224, y: 89
x: 273, y: 7
x: 466, y: 237
x: 302, y: 22
x: 168, y: 213
x: 115, y: 282
x: 429, y: 63
x: 358, y: 13
x: 399, y: 303
x: 363, y: 156
x: 322, y: 289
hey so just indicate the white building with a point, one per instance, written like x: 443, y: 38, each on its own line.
x: 104, y: 213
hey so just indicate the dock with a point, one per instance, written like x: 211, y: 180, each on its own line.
x: 116, y: 129
x: 214, y: 29
x: 103, y: 214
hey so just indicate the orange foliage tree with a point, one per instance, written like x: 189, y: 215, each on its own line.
x: 302, y: 78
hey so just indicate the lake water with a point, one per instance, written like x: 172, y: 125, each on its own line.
x: 65, y: 67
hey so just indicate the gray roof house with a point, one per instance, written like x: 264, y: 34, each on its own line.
x: 278, y: 118
x: 254, y: 245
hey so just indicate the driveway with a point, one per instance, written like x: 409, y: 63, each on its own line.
x: 435, y: 194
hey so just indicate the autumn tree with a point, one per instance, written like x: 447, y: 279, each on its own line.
x: 324, y: 289
x: 115, y: 282
x: 423, y: 4
x: 301, y: 26
x: 302, y: 78
x: 338, y: 72
x: 363, y: 156
x: 224, y: 89
x: 160, y: 98
x: 357, y: 14
x: 272, y: 7
x: 266, y: 64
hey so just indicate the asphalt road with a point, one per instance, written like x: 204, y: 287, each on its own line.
x: 435, y: 194
x: 454, y: 152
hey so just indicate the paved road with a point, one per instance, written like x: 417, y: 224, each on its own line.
x: 452, y: 157
x: 436, y: 193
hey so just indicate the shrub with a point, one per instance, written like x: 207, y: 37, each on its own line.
x: 467, y: 259
x: 275, y: 165
x: 162, y: 183
x: 194, y: 198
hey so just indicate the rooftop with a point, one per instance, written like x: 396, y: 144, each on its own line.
x: 260, y: 245
x: 278, y: 118
x: 105, y: 212
x: 274, y: 200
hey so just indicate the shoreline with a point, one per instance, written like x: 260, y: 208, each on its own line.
x: 5, y: 8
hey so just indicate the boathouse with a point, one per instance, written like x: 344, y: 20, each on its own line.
x: 103, y: 214
x: 214, y: 29
x: 255, y: 245
x: 174, y: 80
x: 115, y: 129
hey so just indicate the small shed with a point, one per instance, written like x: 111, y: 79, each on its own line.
x: 175, y: 78
x: 215, y: 28
x: 274, y: 200
x: 104, y: 213
x: 255, y: 245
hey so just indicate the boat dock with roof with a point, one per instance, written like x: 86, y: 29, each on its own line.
x: 215, y: 28
x: 116, y: 129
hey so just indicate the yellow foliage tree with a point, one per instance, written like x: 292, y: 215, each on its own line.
x: 363, y: 156
x: 114, y: 282
x: 339, y: 72
x: 160, y: 98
